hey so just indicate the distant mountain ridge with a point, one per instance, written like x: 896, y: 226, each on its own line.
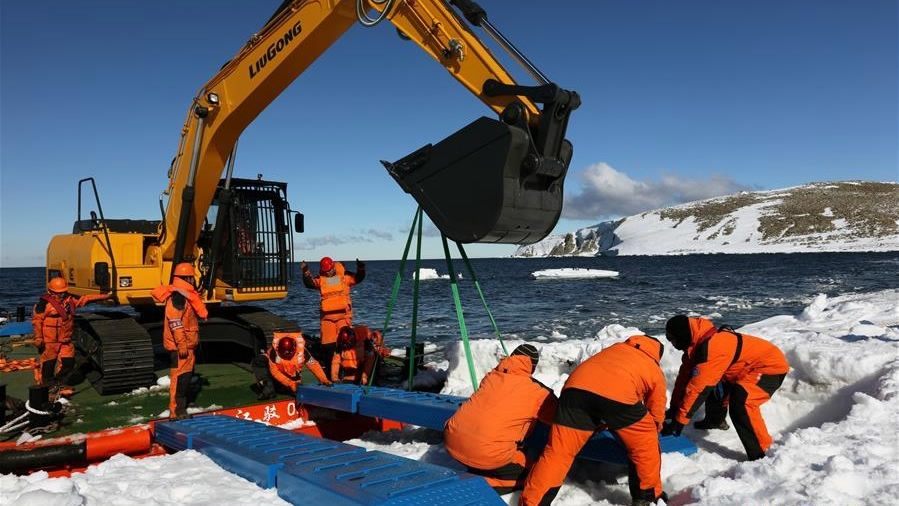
x: 817, y: 217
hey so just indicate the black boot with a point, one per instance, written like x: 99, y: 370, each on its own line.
x: 182, y: 384
x: 646, y: 498
x: 266, y: 390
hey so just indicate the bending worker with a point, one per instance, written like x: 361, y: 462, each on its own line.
x: 283, y: 363
x: 53, y: 322
x: 336, y: 311
x: 621, y: 388
x: 721, y: 367
x: 181, y: 333
x: 487, y: 432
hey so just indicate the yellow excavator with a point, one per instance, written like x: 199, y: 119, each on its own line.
x: 238, y: 232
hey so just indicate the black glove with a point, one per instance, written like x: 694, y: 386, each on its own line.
x: 672, y: 428
x: 670, y: 413
x: 41, y: 347
x: 359, y: 264
x: 303, y: 266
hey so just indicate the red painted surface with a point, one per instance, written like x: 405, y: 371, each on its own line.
x: 137, y: 441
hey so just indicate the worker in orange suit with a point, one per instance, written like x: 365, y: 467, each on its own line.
x: 622, y: 389
x: 487, y: 433
x: 721, y: 367
x: 282, y: 365
x: 336, y: 310
x: 357, y: 352
x: 181, y: 333
x: 53, y: 323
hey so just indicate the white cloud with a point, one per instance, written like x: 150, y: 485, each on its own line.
x: 369, y: 236
x: 608, y: 193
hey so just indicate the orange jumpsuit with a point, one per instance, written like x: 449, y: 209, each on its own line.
x: 53, y: 322
x: 336, y: 310
x: 487, y: 432
x: 750, y: 369
x: 180, y: 337
x: 623, y: 388
x: 289, y: 373
x: 355, y: 359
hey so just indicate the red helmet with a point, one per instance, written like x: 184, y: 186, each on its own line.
x: 287, y: 348
x: 346, y: 338
x: 184, y: 269
x: 58, y: 285
x: 325, y: 264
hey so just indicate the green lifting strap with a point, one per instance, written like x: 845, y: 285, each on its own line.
x: 477, y: 286
x: 454, y: 287
x: 396, y: 288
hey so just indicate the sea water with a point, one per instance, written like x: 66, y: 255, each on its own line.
x: 731, y: 289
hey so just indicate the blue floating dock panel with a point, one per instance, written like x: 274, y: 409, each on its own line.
x: 16, y: 329
x: 377, y: 478
x: 679, y: 444
x: 416, y: 408
x: 249, y: 449
x: 306, y: 468
x: 604, y: 447
x: 339, y: 397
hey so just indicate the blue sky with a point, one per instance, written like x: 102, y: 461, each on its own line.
x: 681, y: 101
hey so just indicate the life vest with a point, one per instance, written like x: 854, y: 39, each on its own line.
x: 335, y: 292
x: 57, y: 320
x: 293, y: 367
x: 162, y: 293
x: 18, y: 365
x: 181, y: 325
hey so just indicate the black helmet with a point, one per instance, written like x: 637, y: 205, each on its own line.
x: 530, y: 351
x: 677, y: 331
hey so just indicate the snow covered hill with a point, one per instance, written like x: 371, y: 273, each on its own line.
x: 818, y: 217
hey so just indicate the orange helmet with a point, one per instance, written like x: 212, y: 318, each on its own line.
x: 184, y: 269
x: 325, y: 264
x: 287, y: 348
x: 58, y: 285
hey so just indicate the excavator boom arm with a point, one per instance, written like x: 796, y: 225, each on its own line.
x: 298, y: 33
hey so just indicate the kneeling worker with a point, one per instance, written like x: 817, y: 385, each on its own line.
x: 621, y: 388
x: 487, y: 433
x: 283, y: 363
x: 358, y: 348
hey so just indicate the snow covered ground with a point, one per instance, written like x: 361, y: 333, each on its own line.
x: 834, y: 422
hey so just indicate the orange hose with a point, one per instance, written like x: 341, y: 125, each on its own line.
x: 105, y: 444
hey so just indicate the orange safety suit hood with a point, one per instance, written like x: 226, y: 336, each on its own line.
x: 515, y: 364
x: 700, y: 330
x: 648, y: 345
x: 162, y: 293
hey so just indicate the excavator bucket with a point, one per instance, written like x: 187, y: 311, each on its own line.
x: 475, y: 185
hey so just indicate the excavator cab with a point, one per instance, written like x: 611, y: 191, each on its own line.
x: 252, y: 228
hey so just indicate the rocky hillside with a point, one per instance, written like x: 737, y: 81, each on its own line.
x: 819, y: 217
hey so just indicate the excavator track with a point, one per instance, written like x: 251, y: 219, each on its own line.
x: 265, y: 321
x: 118, y: 348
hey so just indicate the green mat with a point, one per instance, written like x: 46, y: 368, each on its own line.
x: 215, y: 386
